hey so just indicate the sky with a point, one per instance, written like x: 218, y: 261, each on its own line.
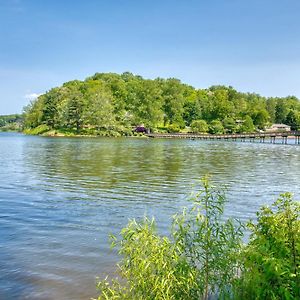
x: 252, y: 45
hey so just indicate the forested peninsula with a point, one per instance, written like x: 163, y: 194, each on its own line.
x: 109, y: 104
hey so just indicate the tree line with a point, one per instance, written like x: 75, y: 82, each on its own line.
x: 11, y: 122
x: 109, y: 103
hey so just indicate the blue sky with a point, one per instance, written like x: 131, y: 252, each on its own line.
x: 251, y: 45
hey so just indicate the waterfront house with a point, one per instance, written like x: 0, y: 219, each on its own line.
x: 278, y: 127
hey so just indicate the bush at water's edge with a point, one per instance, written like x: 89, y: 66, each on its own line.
x: 204, y: 256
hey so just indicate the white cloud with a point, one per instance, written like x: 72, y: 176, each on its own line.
x: 31, y: 96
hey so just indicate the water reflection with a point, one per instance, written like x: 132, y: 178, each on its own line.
x: 60, y: 197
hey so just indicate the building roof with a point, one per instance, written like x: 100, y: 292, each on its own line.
x: 280, y: 125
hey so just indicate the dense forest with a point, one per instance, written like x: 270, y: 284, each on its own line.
x: 114, y: 104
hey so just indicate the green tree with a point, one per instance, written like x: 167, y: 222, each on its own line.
x: 75, y: 108
x: 261, y: 118
x: 229, y: 125
x: 99, y: 112
x: 216, y: 127
x: 205, y: 103
x: 271, y: 108
x: 33, y: 113
x: 116, y: 84
x: 192, y: 109
x: 199, y: 126
x: 281, y: 111
x: 247, y: 125
x: 149, y: 110
x: 221, y: 106
x: 173, y: 92
x: 49, y: 108
x: 293, y: 119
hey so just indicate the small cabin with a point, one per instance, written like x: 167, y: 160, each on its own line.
x: 279, y: 127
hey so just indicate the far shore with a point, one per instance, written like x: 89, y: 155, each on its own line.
x: 178, y: 135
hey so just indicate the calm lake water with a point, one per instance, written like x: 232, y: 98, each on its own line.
x: 61, y: 197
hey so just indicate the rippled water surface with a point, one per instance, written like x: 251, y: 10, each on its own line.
x: 61, y: 197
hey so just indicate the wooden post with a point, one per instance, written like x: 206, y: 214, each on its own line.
x: 284, y: 139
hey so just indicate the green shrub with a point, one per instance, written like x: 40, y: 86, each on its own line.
x: 203, y: 258
x: 199, y: 126
x: 161, y: 129
x: 197, y: 262
x: 216, y: 127
x: 272, y: 257
x: 229, y: 125
x: 247, y: 125
x: 173, y: 128
x: 210, y: 244
x: 152, y: 267
x: 37, y: 130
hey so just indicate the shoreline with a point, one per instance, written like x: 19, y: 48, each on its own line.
x: 179, y: 135
x: 58, y: 134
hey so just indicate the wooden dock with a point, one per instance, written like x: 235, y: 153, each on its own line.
x: 263, y: 137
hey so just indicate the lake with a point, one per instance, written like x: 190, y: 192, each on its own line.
x: 61, y: 197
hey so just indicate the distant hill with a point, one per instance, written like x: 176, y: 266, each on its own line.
x: 114, y: 104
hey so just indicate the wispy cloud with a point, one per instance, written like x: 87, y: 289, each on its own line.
x: 31, y: 96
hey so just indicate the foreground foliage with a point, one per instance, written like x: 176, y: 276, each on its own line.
x: 209, y: 243
x: 203, y: 258
x: 272, y: 257
x: 197, y: 261
x: 152, y: 267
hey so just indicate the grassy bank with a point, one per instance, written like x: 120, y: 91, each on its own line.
x: 44, y: 130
